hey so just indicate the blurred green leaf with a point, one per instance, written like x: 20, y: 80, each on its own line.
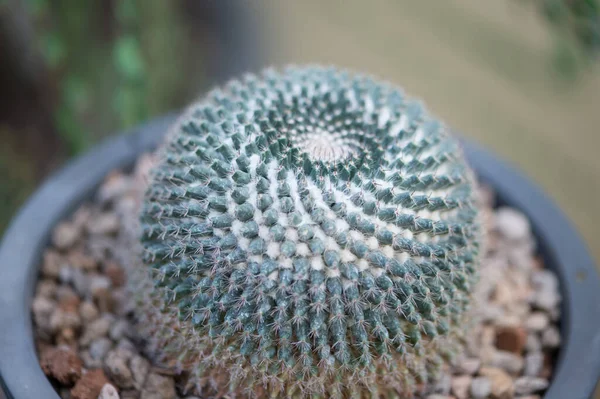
x: 128, y: 59
x: 54, y: 49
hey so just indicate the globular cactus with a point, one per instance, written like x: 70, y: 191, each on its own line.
x: 308, y: 232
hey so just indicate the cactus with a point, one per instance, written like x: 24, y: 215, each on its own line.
x: 307, y: 232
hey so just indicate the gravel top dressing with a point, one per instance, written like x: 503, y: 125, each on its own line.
x: 86, y: 337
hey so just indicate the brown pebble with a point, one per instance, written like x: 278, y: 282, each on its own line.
x: 69, y: 303
x: 67, y: 337
x: 511, y: 339
x: 62, y: 364
x: 115, y: 273
x: 89, y: 385
x: 502, y: 383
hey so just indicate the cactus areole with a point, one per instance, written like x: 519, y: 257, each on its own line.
x: 308, y: 232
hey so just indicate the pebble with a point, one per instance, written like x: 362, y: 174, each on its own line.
x: 507, y: 361
x: 139, y: 368
x: 443, y: 384
x: 99, y: 348
x: 104, y: 224
x: 115, y: 273
x: 108, y: 392
x: 533, y: 343
x: 159, y: 387
x: 88, y: 311
x: 534, y: 363
x: 81, y: 283
x: 512, y: 224
x: 116, y: 367
x: 529, y: 385
x: 42, y: 309
x: 96, y: 329
x: 89, y: 362
x: 89, y: 385
x: 501, y: 382
x: 469, y: 365
x: 511, y: 339
x: 46, y: 288
x: 551, y: 338
x: 119, y: 330
x: 62, y: 364
x: 61, y: 319
x: 537, y: 321
x: 481, y: 387
x: 52, y: 264
x: 65, y: 235
x: 460, y: 386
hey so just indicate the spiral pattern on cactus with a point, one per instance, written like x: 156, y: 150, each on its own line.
x: 309, y: 232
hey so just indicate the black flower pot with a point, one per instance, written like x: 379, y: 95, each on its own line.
x: 578, y: 363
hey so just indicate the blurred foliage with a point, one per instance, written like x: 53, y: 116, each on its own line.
x: 107, y: 65
x: 576, y: 27
x: 114, y: 63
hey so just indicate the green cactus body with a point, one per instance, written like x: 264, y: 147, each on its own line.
x: 308, y: 232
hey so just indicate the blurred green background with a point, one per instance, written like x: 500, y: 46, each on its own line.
x: 519, y: 76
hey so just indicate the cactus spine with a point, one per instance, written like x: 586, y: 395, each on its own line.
x: 307, y: 232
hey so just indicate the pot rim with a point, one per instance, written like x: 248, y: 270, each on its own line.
x: 25, y: 240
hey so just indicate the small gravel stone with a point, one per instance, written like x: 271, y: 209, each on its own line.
x: 65, y: 235
x: 104, y: 224
x: 65, y: 275
x: 507, y: 361
x: 115, y: 273
x: 99, y: 283
x: 512, y: 224
x: 108, y: 392
x: 551, y: 338
x: 469, y: 365
x: 537, y: 321
x: 139, y: 368
x: 437, y: 396
x: 96, y: 329
x: 51, y: 265
x: 89, y: 385
x: 501, y: 382
x: 61, y: 319
x: 159, y: 387
x: 534, y: 362
x: 81, y: 283
x: 116, y: 367
x: 481, y: 387
x: 89, y: 362
x: 63, y: 364
x: 533, y: 343
x: 42, y: 309
x: 460, y: 386
x: 88, y: 311
x: 529, y: 385
x: 46, y: 288
x: 80, y: 260
x: 511, y: 339
x: 119, y: 330
x: 99, y: 348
